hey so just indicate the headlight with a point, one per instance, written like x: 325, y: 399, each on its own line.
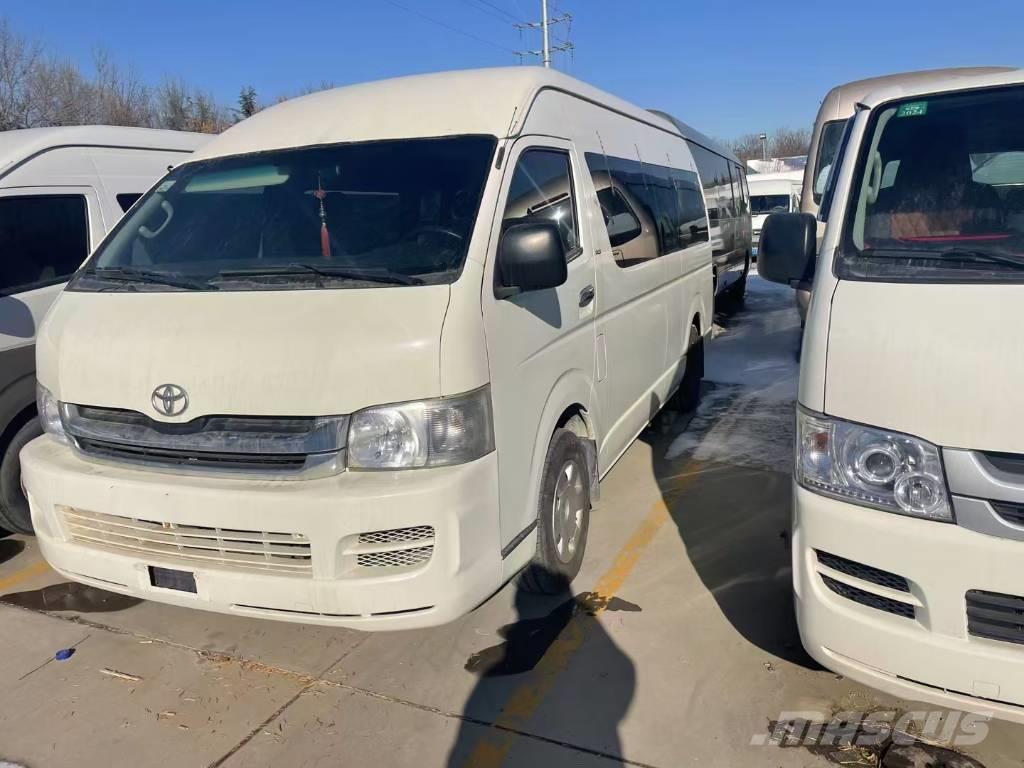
x: 873, y: 467
x: 424, y: 433
x: 49, y: 414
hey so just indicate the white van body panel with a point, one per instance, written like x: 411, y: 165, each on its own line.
x: 213, y: 344
x: 924, y: 375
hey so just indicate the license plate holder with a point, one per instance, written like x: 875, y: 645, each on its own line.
x: 168, y: 578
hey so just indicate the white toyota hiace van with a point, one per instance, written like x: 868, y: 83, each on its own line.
x: 366, y: 355
x: 908, y: 520
x: 61, y: 190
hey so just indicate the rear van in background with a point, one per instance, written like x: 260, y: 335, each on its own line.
x: 772, y: 193
x: 365, y: 356
x: 61, y: 190
x: 836, y: 109
x: 908, y: 518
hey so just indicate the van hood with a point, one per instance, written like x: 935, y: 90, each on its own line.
x: 941, y: 362
x: 278, y: 353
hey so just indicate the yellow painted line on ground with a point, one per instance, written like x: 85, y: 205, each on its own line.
x: 491, y: 750
x: 36, y: 569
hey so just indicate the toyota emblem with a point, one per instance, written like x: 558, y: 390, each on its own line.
x: 169, y: 400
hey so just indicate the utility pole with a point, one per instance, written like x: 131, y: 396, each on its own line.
x: 764, y: 146
x: 544, y: 25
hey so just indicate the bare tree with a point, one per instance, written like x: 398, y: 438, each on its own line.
x: 121, y: 97
x: 789, y: 142
x: 18, y: 58
x: 60, y: 95
x: 747, y: 147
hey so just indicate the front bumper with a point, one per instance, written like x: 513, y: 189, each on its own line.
x: 929, y: 656
x: 333, y: 515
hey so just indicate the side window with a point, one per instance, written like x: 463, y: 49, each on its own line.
x: 693, y: 224
x: 127, y: 199
x: 43, y: 239
x: 542, y: 188
x: 660, y: 208
x: 622, y: 224
x: 741, y: 190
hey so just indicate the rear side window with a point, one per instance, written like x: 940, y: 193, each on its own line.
x: 638, y: 198
x: 127, y: 199
x: 43, y: 240
x: 715, y: 176
x: 542, y: 188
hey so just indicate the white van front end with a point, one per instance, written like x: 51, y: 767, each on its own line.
x: 266, y: 512
x: 908, y: 513
x: 262, y: 394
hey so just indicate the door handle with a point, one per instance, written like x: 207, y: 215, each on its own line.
x: 586, y: 295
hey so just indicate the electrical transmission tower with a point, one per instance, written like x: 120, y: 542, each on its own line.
x: 544, y: 25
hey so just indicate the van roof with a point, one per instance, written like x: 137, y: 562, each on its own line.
x: 493, y: 101
x: 839, y: 102
x: 691, y: 133
x: 774, y: 180
x: 939, y: 84
x: 18, y: 145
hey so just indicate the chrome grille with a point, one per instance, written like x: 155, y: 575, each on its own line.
x: 395, y: 558
x: 191, y: 544
x: 397, y: 535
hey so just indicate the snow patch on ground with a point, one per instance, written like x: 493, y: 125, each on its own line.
x: 752, y: 371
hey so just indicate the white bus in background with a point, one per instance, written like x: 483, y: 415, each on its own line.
x: 61, y: 190
x: 772, y: 193
x: 836, y: 109
x: 908, y: 501
x: 380, y: 346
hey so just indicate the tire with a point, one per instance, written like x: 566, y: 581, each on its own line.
x: 560, y: 547
x: 739, y: 288
x: 687, y: 397
x: 14, y: 511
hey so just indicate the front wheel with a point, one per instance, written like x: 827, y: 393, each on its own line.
x: 563, y: 517
x: 14, y: 511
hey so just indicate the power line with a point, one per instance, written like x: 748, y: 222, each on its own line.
x: 485, y: 11
x: 499, y: 9
x: 449, y: 27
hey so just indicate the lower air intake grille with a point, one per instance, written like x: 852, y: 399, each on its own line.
x: 397, y: 535
x: 863, y: 572
x: 194, y: 545
x: 869, y: 599
x: 995, y: 616
x: 395, y: 558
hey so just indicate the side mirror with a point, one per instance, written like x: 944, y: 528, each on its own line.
x: 787, y: 249
x: 531, y: 257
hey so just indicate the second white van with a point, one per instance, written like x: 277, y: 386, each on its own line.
x: 365, y: 356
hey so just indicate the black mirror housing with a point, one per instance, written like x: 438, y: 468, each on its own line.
x: 531, y: 257
x: 787, y: 249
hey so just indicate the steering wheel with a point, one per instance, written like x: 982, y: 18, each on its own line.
x: 434, y: 229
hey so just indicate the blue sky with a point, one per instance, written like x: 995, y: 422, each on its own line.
x: 728, y: 67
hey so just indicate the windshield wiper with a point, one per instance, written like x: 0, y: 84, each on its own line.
x: 952, y: 254
x: 338, y: 273
x: 133, y: 275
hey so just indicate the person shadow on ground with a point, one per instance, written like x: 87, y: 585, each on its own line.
x: 556, y: 677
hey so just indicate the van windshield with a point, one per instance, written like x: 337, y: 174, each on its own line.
x: 938, y: 191
x: 353, y: 215
x: 762, y: 204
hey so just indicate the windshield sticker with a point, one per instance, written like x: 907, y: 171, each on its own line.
x: 165, y: 186
x: 912, y: 109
